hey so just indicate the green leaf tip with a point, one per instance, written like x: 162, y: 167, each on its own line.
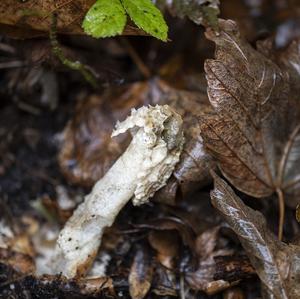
x: 147, y: 17
x: 105, y: 18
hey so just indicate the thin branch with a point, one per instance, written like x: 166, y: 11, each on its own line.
x: 12, y: 64
x: 74, y: 65
x: 136, y: 58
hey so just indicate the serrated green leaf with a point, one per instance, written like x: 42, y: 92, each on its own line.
x: 147, y: 17
x: 105, y: 18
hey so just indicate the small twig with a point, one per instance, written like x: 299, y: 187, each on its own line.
x: 7, y: 48
x: 182, y: 291
x: 28, y: 108
x: 12, y: 64
x: 136, y: 58
x: 74, y: 65
x: 281, y: 212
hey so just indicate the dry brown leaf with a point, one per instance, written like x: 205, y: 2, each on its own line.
x: 88, y: 150
x: 16, y: 249
x: 255, y: 133
x: 233, y: 268
x: 19, y: 261
x: 167, y: 246
x: 276, y: 263
x: 23, y: 19
x: 234, y: 293
x: 290, y: 60
x: 172, y: 224
x: 203, y: 12
x: 192, y: 171
x: 203, y: 279
x: 140, y: 276
x: 164, y: 282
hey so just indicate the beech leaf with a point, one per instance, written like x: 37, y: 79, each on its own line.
x: 276, y: 263
x: 254, y: 134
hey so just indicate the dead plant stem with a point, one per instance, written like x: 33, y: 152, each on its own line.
x: 74, y: 65
x: 281, y: 212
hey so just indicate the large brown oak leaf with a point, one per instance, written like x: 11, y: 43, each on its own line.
x: 255, y: 133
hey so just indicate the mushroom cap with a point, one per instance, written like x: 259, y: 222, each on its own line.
x: 160, y: 127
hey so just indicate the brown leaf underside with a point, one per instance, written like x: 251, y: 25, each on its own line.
x: 276, y: 263
x: 254, y: 134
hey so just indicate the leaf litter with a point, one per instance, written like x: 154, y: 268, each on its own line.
x: 178, y: 245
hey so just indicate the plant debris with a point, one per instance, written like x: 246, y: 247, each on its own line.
x: 223, y: 74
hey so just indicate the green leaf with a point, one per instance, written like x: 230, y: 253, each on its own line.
x: 105, y: 18
x: 147, y: 17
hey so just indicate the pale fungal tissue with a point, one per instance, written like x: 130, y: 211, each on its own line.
x: 143, y: 168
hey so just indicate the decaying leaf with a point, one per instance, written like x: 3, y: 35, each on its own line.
x: 19, y: 261
x: 203, y: 12
x: 203, y: 279
x: 32, y: 18
x: 233, y: 268
x: 171, y: 224
x: 16, y: 249
x: 140, y: 276
x: 234, y: 293
x: 192, y: 171
x: 255, y: 133
x: 276, y: 263
x: 167, y: 246
x: 290, y: 60
x: 87, y: 150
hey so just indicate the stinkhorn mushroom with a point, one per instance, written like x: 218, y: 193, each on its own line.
x: 143, y: 168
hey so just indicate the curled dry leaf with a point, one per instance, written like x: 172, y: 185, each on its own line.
x: 23, y: 19
x: 167, y: 246
x: 16, y: 249
x: 203, y: 279
x: 87, y: 150
x: 20, y: 262
x: 255, y: 133
x: 276, y: 263
x: 171, y: 224
x: 203, y: 12
x: 140, y: 276
x: 290, y: 60
x: 234, y: 293
x: 192, y: 171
